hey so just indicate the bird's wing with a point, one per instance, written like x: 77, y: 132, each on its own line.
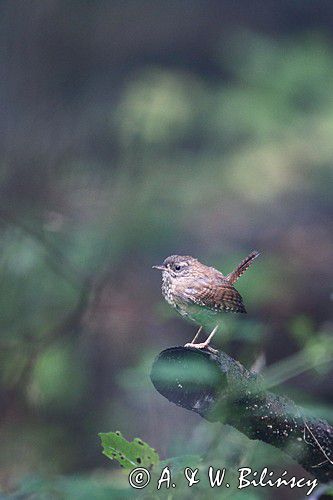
x: 223, y: 297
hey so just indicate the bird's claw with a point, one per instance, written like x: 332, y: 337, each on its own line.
x: 203, y: 345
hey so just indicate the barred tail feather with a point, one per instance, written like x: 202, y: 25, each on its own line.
x: 241, y: 268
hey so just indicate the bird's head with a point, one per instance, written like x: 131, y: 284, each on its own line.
x: 177, y: 266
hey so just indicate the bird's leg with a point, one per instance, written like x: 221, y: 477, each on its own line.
x: 211, y: 336
x: 196, y: 335
x: 205, y: 344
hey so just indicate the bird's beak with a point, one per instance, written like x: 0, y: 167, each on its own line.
x: 161, y: 268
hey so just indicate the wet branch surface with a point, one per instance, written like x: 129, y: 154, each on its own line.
x: 221, y: 389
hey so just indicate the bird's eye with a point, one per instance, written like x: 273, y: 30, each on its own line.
x: 177, y: 267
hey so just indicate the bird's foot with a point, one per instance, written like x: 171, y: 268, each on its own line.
x: 203, y: 345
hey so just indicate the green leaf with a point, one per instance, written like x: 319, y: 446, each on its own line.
x: 132, y: 454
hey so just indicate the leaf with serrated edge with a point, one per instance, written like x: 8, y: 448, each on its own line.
x: 129, y: 454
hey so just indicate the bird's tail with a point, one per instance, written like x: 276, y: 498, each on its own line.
x: 241, y: 268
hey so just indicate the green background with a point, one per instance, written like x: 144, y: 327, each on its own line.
x: 132, y: 130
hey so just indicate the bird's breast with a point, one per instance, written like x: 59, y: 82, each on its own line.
x: 167, y: 289
x: 173, y: 292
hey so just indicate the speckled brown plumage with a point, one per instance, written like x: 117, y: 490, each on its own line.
x: 198, y: 291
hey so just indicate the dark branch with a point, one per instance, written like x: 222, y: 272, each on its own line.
x: 221, y: 389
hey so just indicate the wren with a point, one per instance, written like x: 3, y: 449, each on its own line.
x: 200, y: 293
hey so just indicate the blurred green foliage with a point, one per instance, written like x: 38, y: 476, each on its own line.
x: 109, y: 166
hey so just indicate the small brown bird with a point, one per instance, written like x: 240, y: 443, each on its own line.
x: 201, y: 293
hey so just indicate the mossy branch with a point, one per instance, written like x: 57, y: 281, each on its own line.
x: 221, y: 389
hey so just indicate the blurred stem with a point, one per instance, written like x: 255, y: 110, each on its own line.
x: 54, y: 258
x: 301, y: 362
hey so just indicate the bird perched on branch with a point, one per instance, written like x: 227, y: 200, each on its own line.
x: 200, y: 292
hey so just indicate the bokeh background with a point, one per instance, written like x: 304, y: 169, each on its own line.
x: 131, y: 130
